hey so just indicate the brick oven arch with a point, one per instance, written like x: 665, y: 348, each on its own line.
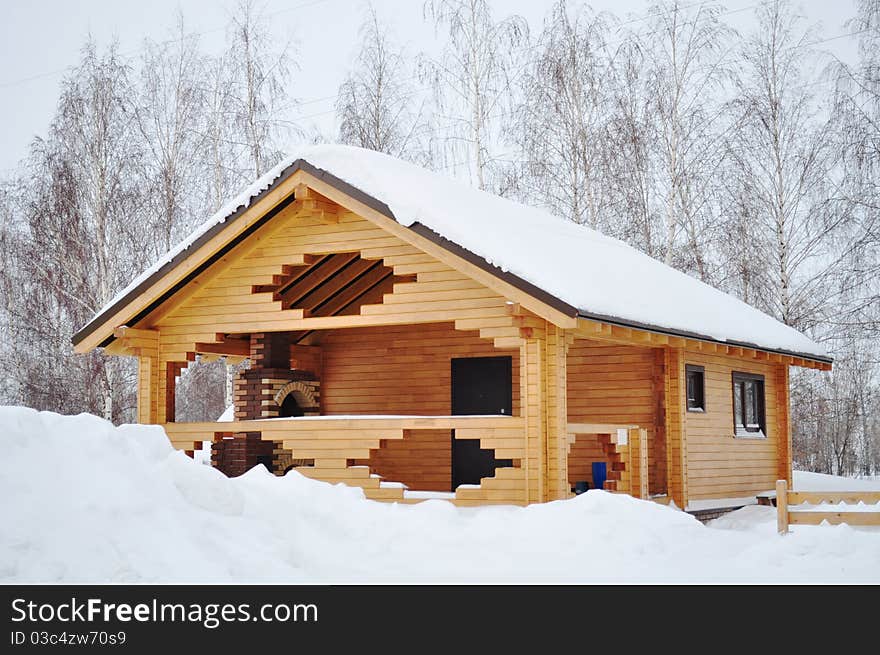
x: 303, y: 393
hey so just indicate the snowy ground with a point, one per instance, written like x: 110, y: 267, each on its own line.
x: 86, y: 502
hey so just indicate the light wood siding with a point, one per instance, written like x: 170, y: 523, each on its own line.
x: 422, y: 460
x: 609, y: 383
x: 557, y: 413
x: 403, y: 370
x: 720, y: 465
x: 392, y: 356
x: 674, y: 392
x: 532, y: 391
x: 148, y: 390
x: 222, y: 299
x: 585, y: 450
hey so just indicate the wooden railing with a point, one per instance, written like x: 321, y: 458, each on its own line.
x: 334, y: 442
x: 787, y: 515
x: 626, y: 448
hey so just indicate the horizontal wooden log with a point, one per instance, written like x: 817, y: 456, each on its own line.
x: 848, y: 497
x: 834, y: 518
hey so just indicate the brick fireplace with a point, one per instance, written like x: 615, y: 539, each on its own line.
x: 277, y: 384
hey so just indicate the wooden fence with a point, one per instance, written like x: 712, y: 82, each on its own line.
x: 787, y: 515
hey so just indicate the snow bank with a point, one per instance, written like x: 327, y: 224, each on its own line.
x: 806, y: 481
x: 84, y: 501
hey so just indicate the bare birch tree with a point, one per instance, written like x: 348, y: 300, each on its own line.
x: 260, y: 78
x: 562, y: 123
x: 857, y: 123
x: 78, y: 241
x: 632, y: 161
x: 377, y: 105
x: 782, y: 163
x: 169, y: 110
x: 688, y: 45
x: 472, y: 81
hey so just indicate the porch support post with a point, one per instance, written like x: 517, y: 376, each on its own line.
x: 676, y: 438
x: 148, y: 389
x: 145, y: 345
x: 532, y: 367
x: 556, y: 346
x: 638, y: 462
x: 167, y: 380
x: 783, y: 424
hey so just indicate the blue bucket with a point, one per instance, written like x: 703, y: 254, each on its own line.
x: 581, y: 486
x: 600, y: 474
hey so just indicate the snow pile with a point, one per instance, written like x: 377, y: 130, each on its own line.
x: 86, y: 502
x: 599, y: 275
x: 806, y: 481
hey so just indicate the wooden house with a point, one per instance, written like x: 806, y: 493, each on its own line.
x: 415, y: 337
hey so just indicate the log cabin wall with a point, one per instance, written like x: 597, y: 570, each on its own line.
x: 413, y: 377
x: 718, y: 464
x: 611, y: 383
x: 628, y: 378
x: 586, y: 450
x: 403, y: 369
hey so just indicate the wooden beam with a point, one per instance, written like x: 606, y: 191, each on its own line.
x: 123, y: 332
x: 781, y: 506
x: 314, y: 277
x: 301, y: 192
x: 289, y: 274
x: 234, y: 347
x: 424, y: 244
x: 323, y: 211
x: 343, y: 278
x: 119, y: 348
x: 361, y: 286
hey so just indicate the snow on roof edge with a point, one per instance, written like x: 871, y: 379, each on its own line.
x: 290, y: 164
x: 239, y: 203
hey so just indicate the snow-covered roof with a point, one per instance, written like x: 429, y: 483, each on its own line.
x: 599, y: 276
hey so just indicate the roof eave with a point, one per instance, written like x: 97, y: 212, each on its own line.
x: 422, y: 230
x: 647, y: 327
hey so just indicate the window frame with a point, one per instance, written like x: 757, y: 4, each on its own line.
x: 742, y: 430
x: 701, y: 370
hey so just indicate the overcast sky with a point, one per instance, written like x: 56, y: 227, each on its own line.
x: 41, y: 39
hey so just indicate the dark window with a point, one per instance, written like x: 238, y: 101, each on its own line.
x: 748, y: 404
x: 696, y: 388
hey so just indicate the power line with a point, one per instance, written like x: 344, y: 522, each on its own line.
x: 535, y: 46
x: 733, y: 11
x: 132, y: 53
x: 606, y: 43
x: 425, y: 89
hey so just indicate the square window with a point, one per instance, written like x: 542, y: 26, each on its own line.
x: 696, y: 388
x: 748, y: 405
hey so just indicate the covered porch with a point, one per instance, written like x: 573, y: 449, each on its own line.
x: 343, y: 449
x: 413, y: 412
x: 346, y: 449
